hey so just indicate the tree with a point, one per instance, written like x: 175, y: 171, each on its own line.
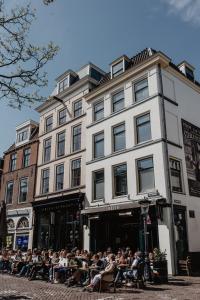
x: 48, y: 1
x: 21, y: 62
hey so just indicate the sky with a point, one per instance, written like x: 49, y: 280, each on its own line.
x: 100, y: 31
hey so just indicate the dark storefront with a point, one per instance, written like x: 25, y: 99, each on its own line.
x: 58, y: 223
x: 121, y: 229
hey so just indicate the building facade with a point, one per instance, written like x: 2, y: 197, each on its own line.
x: 141, y: 144
x: 60, y: 187
x: 18, y: 185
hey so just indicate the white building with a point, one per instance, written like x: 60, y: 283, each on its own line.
x: 60, y: 185
x: 135, y: 149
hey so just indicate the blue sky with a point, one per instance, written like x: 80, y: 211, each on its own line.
x: 100, y: 31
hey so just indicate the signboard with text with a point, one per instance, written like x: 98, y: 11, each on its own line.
x: 191, y: 140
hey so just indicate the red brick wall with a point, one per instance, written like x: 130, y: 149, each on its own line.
x: 19, y: 173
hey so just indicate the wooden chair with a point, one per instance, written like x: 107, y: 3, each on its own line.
x: 107, y: 281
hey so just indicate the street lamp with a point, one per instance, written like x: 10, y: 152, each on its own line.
x: 144, y: 203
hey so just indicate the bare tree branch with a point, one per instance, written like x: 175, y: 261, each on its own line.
x: 21, y: 63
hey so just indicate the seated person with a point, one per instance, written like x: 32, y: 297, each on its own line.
x: 61, y: 267
x: 27, y: 264
x: 37, y: 264
x: 133, y: 273
x: 17, y: 263
x: 5, y: 260
x: 107, y: 271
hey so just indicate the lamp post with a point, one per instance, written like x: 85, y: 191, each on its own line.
x: 144, y: 203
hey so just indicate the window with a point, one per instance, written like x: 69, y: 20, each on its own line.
x: 22, y: 136
x: 143, y: 128
x: 99, y: 145
x: 23, y: 190
x: 141, y: 90
x: 59, y: 177
x: 63, y: 84
x: 49, y: 123
x: 176, y: 180
x: 118, y: 101
x: 76, y: 138
x: 120, y: 180
x: 98, y: 178
x: 76, y: 172
x: 26, y: 159
x: 98, y: 111
x: 13, y: 161
x: 119, y: 139
x: 146, y: 174
x: 61, y: 144
x: 45, y: 181
x: 62, y: 116
x: 47, y: 150
x: 9, y: 192
x: 117, y: 69
x: 77, y: 108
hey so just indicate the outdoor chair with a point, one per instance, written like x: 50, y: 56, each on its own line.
x: 107, y: 282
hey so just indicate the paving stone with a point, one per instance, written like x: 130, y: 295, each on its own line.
x: 178, y: 288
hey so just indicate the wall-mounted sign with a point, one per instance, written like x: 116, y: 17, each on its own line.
x: 191, y: 140
x: 22, y: 241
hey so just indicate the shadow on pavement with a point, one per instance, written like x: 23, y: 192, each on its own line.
x: 14, y: 297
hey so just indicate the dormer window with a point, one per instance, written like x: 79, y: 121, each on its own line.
x: 22, y: 136
x: 187, y: 69
x: 117, y: 69
x: 63, y: 84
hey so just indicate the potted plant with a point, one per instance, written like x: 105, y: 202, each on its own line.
x: 160, y: 271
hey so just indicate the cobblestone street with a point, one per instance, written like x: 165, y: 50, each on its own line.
x: 12, y: 288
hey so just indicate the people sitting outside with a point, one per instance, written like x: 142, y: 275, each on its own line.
x: 37, y: 264
x: 17, y: 262
x: 27, y: 264
x: 4, y: 261
x: 60, y: 268
x: 109, y: 270
x: 133, y: 273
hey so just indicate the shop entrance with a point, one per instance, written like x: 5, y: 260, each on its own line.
x: 122, y: 229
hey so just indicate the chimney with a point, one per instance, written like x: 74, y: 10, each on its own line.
x: 187, y: 69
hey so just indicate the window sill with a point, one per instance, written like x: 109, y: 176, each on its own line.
x: 98, y: 200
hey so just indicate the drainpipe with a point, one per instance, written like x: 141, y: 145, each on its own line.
x: 166, y: 161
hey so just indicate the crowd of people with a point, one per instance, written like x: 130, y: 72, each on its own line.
x: 77, y: 267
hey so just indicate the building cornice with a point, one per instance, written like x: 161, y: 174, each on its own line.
x: 154, y: 59
x: 67, y: 92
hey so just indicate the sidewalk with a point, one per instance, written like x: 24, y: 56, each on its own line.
x: 178, y: 288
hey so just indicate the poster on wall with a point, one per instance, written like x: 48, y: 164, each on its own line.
x: 191, y: 140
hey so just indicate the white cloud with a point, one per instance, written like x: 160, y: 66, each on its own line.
x: 188, y: 10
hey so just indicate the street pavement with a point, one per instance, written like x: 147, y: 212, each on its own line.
x: 178, y: 288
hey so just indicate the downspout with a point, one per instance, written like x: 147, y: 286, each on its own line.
x: 169, y: 189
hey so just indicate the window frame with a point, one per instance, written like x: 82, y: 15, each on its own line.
x: 138, y: 174
x: 56, y: 176
x: 44, y: 141
x: 60, y: 111
x: 113, y: 137
x: 6, y: 193
x: 79, y: 109
x: 11, y: 169
x: 48, y: 117
x: 181, y: 175
x: 137, y: 81
x: 114, y: 183
x: 137, y: 126
x: 19, y: 194
x: 71, y: 170
x: 93, y: 144
x: 120, y: 71
x: 58, y: 143
x: 93, y: 110
x: 62, y: 86
x: 25, y: 156
x: 42, y: 180
x: 112, y: 103
x: 21, y: 133
x: 93, y: 185
x: 79, y: 134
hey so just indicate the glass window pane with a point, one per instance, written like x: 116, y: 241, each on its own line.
x: 99, y: 185
x: 47, y: 150
x: 9, y: 192
x: 118, y: 101
x: 117, y: 69
x: 77, y: 138
x: 119, y: 137
x: 59, y: 177
x: 98, y: 111
x: 143, y: 128
x: 146, y: 174
x: 76, y: 172
x: 141, y: 90
x: 62, y: 116
x: 61, y: 144
x: 99, y: 145
x: 120, y: 180
x: 77, y: 108
x: 23, y: 190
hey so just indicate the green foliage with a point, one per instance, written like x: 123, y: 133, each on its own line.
x: 159, y: 255
x: 21, y: 62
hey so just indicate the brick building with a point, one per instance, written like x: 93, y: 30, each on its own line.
x: 18, y: 184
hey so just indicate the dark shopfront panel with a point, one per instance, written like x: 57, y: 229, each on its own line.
x: 122, y: 229
x: 58, y: 226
